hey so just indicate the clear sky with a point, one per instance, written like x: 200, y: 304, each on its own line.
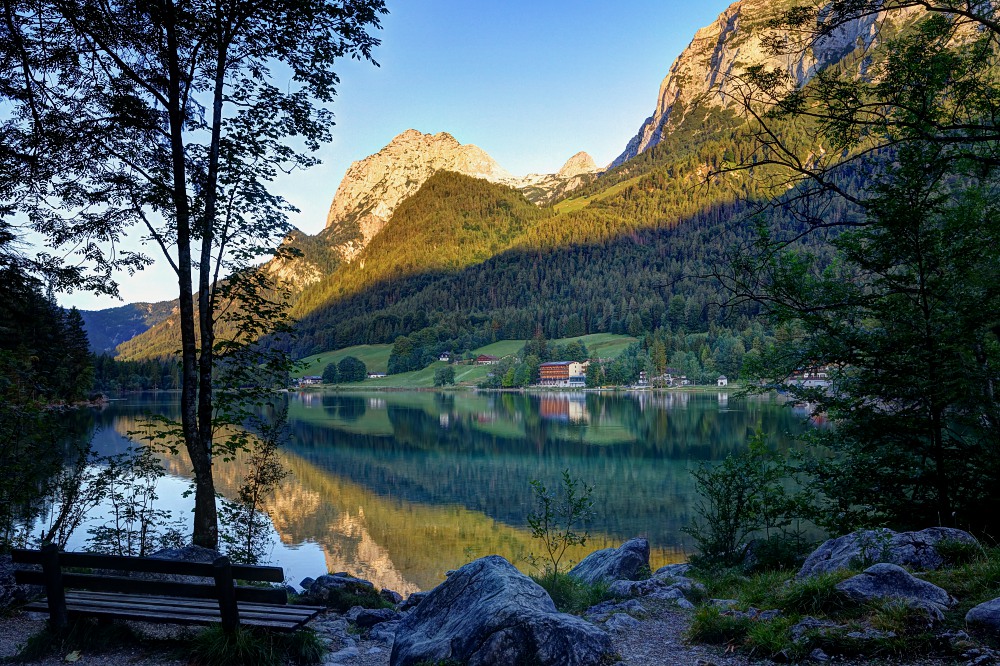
x: 529, y: 81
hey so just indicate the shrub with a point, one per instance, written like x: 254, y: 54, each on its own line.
x: 558, y: 517
x: 343, y: 600
x: 739, y: 497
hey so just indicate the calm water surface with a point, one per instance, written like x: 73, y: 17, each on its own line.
x: 399, y: 487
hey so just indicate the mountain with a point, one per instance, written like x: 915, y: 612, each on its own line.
x: 374, y: 187
x: 106, y: 329
x: 432, y: 235
x: 708, y: 71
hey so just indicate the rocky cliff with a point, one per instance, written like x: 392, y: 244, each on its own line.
x: 708, y: 71
x: 374, y: 187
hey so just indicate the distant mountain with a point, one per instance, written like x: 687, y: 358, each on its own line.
x: 106, y: 329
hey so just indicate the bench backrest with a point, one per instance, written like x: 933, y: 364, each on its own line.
x: 115, y: 582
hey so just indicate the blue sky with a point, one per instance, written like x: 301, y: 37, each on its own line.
x: 530, y: 82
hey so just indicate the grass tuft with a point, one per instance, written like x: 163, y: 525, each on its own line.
x: 571, y: 595
x: 216, y: 647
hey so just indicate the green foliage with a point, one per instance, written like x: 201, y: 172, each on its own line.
x: 710, y: 625
x: 351, y: 369
x: 136, y: 526
x: 742, y: 496
x: 216, y: 647
x: 557, y: 517
x: 897, y: 315
x: 815, y: 595
x: 444, y: 376
x: 343, y: 600
x: 571, y: 595
x: 331, y: 373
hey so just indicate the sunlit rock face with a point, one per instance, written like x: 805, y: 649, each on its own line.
x: 708, y: 72
x: 376, y: 185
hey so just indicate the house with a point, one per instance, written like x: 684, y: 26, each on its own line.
x: 722, y: 381
x: 816, y: 377
x: 376, y: 375
x: 486, y: 359
x: 563, y: 373
x: 310, y: 380
x: 445, y: 357
x: 643, y: 378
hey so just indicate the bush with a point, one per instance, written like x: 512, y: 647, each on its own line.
x: 815, y: 595
x: 351, y: 369
x: 444, y: 376
x: 741, y: 496
x: 330, y: 373
x: 343, y: 600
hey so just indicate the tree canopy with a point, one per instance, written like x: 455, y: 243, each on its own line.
x: 173, y: 116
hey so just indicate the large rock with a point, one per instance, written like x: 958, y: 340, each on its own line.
x: 907, y: 549
x: 888, y: 581
x: 189, y: 553
x: 627, y: 562
x: 12, y: 594
x: 336, y: 590
x: 985, y: 618
x: 488, y: 613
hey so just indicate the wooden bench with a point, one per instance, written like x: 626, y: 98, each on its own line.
x: 123, y: 597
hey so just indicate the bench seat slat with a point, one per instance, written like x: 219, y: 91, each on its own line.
x: 152, y: 611
x: 150, y: 565
x: 98, y: 583
x: 140, y: 599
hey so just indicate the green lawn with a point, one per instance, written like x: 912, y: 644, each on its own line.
x: 375, y: 358
x: 578, y: 203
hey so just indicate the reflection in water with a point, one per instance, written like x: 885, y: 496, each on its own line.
x: 399, y: 487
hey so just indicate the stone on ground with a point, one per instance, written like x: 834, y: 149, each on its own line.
x: 488, y: 612
x: 627, y: 562
x: 888, y: 581
x: 985, y: 618
x: 908, y: 549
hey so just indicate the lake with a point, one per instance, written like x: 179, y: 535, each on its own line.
x: 399, y: 487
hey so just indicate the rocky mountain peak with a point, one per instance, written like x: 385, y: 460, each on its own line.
x: 707, y: 71
x: 580, y: 163
x: 373, y: 187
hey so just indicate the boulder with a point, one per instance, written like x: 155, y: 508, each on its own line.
x: 329, y: 588
x: 412, y: 600
x: 627, y: 562
x: 12, y: 594
x: 909, y: 549
x: 488, y: 612
x: 888, y: 581
x: 985, y: 618
x: 369, y: 617
x: 621, y: 622
x: 392, y: 596
x: 189, y: 553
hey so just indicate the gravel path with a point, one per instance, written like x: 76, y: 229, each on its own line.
x: 657, y: 640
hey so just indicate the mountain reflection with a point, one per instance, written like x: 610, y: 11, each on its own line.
x: 399, y: 487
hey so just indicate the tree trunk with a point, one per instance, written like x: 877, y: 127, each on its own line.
x: 206, y: 522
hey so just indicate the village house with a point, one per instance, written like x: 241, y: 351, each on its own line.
x: 722, y: 381
x: 310, y: 380
x: 376, y: 375
x: 818, y: 377
x: 445, y: 357
x: 563, y: 373
x: 486, y: 359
